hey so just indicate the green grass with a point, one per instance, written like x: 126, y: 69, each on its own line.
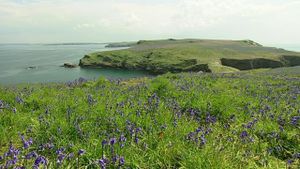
x: 168, y: 110
x: 163, y: 56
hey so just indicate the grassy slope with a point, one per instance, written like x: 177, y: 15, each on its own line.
x: 164, y: 114
x: 180, y: 55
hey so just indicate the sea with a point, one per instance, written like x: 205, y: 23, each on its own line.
x: 41, y: 63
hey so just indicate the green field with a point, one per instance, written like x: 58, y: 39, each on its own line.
x: 187, y: 120
x: 161, y: 56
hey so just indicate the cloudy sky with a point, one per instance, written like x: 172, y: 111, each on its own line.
x: 51, y: 21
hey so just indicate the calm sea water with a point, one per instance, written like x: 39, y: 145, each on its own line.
x: 291, y: 47
x: 15, y: 60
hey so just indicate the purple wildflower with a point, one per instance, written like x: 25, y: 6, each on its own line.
x: 121, y: 161
x: 136, y: 140
x: 104, y: 142
x: 103, y: 162
x: 211, y: 119
x: 14, y: 110
x: 31, y: 155
x: 60, y: 158
x: 60, y: 150
x: 19, y: 100
x: 40, y: 160
x: 295, y: 120
x: 115, y: 158
x: 137, y: 130
x: 70, y: 156
x: 290, y: 162
x: 203, y: 140
x: 1, y: 104
x: 81, y: 152
x: 90, y: 99
x: 122, y: 138
x: 243, y: 134
x: 113, y: 141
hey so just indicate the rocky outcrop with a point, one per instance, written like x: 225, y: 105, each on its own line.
x: 69, y: 65
x: 187, y: 65
x: 247, y: 64
x: 290, y: 60
x: 31, y: 67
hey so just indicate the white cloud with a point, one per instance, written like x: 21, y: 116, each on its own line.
x: 113, y: 20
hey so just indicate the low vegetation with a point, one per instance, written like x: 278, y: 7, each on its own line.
x: 186, y: 120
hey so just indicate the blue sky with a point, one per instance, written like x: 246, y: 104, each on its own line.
x: 50, y: 21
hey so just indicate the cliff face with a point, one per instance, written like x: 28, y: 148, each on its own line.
x: 192, y: 55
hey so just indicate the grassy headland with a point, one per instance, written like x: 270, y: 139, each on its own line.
x: 161, y: 56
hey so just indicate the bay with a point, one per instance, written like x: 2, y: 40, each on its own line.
x: 41, y: 63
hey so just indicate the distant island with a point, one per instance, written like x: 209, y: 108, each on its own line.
x: 192, y: 55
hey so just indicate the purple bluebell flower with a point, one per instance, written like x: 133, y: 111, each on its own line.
x: 103, y: 162
x: 14, y: 110
x: 81, y: 152
x: 15, y: 159
x: 281, y: 128
x: 249, y: 125
x: 90, y: 99
x: 211, y: 119
x: 281, y: 121
x: 243, y: 134
x: 290, y: 162
x: 207, y: 131
x: 113, y: 141
x: 1, y: 104
x: 22, y: 167
x: 175, y: 123
x: 60, y: 159
x: 40, y: 160
x: 190, y: 136
x: 31, y: 155
x: 70, y: 156
x: 122, y: 138
x: 104, y: 142
x: 202, y: 140
x: 136, y: 140
x: 137, y: 130
x: 8, y: 164
x: 60, y: 150
x: 121, y: 161
x: 115, y: 159
x: 19, y: 100
x: 26, y: 144
x: 295, y: 120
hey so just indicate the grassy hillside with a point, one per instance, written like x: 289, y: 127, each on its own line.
x: 187, y: 120
x: 172, y: 55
